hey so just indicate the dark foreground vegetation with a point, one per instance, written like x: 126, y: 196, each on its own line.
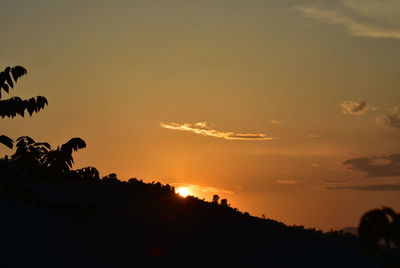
x: 87, y: 221
x: 54, y: 216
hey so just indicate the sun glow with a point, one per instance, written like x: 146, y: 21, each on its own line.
x: 183, y: 191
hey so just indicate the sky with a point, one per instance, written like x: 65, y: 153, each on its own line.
x: 287, y: 108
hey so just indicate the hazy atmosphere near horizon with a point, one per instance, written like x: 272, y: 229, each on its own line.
x: 288, y: 108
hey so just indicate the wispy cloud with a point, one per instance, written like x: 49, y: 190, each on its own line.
x: 276, y: 122
x: 239, y: 187
x: 204, y: 128
x: 290, y: 182
x: 355, y: 108
x: 374, y: 167
x: 385, y: 11
x: 354, y: 26
x: 376, y: 187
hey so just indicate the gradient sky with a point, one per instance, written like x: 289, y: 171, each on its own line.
x: 288, y: 108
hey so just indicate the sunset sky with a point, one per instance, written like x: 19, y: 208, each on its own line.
x: 288, y: 108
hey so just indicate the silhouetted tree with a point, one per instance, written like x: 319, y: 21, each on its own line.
x: 15, y: 105
x: 215, y: 199
x: 224, y: 203
x: 133, y: 180
x: 112, y: 177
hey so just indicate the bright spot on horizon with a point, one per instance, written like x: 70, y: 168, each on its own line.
x: 182, y: 191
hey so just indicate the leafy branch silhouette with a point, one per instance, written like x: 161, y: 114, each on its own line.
x: 16, y: 106
x: 36, y: 158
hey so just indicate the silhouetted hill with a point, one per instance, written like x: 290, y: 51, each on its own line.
x: 73, y: 222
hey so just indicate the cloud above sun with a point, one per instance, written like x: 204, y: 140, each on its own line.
x: 362, y: 18
x: 206, y: 129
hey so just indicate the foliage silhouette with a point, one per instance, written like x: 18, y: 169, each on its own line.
x: 38, y: 161
x: 15, y: 105
x: 87, y: 173
x: 61, y: 159
x: 379, y: 225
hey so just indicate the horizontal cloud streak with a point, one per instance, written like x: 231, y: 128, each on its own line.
x: 377, y: 187
x: 289, y: 182
x: 204, y: 128
x: 276, y: 122
x: 375, y: 167
x: 354, y: 27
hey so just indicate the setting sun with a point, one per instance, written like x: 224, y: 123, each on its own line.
x: 182, y: 191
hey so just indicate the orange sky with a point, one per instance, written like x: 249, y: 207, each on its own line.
x: 287, y: 108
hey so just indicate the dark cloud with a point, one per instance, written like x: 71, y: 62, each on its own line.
x: 392, y: 120
x: 385, y: 166
x: 355, y: 108
x: 378, y: 187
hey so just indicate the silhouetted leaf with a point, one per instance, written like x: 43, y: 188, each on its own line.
x: 31, y: 106
x: 41, y: 102
x: 6, y: 141
x: 5, y: 87
x: 73, y: 144
x: 17, y: 72
x: 7, y: 77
